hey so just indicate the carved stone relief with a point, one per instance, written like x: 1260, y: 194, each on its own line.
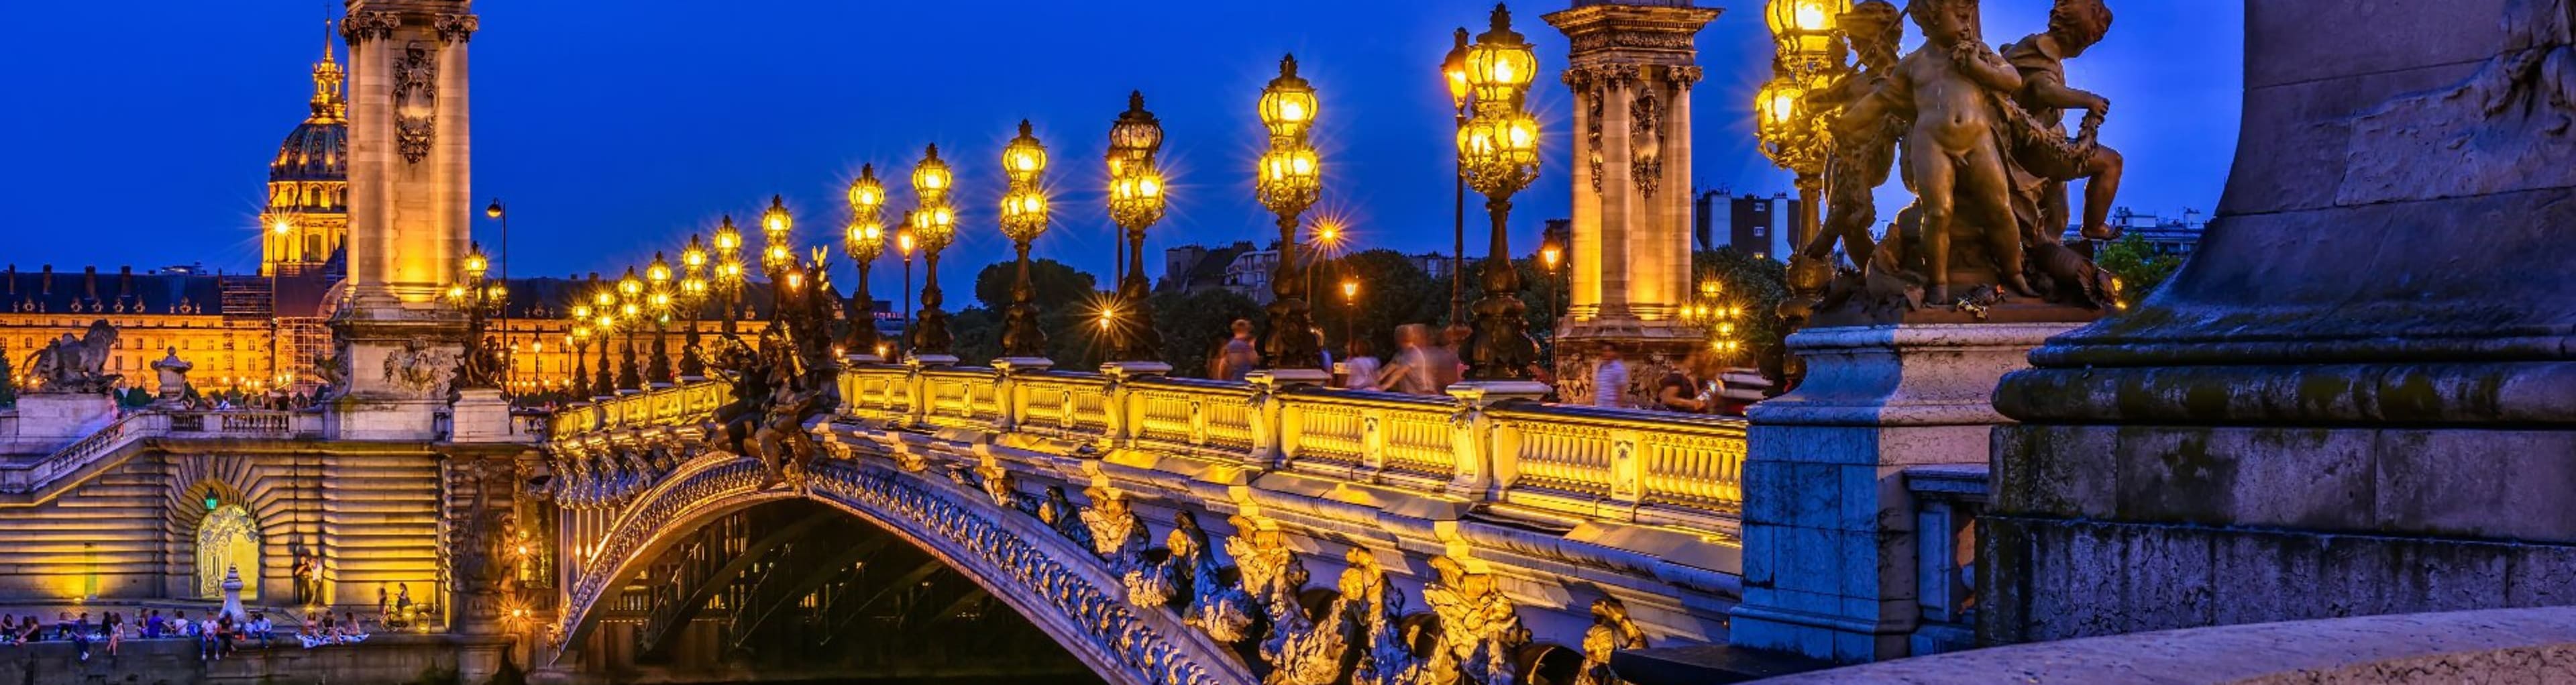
x: 1646, y: 140
x: 415, y: 101
x: 455, y: 28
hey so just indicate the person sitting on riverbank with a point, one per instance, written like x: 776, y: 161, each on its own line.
x: 153, y: 624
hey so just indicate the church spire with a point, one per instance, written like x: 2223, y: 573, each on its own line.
x: 328, y: 105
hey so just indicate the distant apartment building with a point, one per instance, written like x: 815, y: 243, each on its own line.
x: 1754, y: 224
x: 2177, y: 237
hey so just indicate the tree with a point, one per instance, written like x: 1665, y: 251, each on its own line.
x: 1757, y: 284
x: 1392, y: 291
x: 1065, y: 297
x: 1194, y: 323
x: 2137, y: 266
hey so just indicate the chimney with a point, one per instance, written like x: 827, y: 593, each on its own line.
x: 47, y: 284
x: 89, y: 282
x: 124, y: 282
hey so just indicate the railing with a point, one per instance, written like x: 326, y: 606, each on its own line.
x: 1549, y: 461
x: 36, y: 475
x: 1947, y: 500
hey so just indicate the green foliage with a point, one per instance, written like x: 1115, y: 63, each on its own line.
x: 1193, y: 324
x: 1064, y: 297
x: 2137, y: 265
x: 1393, y: 291
x: 1757, y: 284
x: 8, y: 384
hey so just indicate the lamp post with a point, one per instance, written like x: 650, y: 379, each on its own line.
x: 1024, y: 216
x: 1710, y: 312
x: 728, y: 273
x: 1350, y: 309
x: 865, y: 241
x: 579, y: 339
x: 1550, y: 254
x: 906, y: 243
x: 657, y: 305
x: 498, y: 212
x: 1135, y: 203
x: 933, y: 225
x: 1811, y: 52
x: 777, y: 254
x: 630, y: 312
x: 1500, y: 149
x: 1453, y: 71
x: 476, y: 296
x: 693, y: 296
x: 1290, y: 179
x: 603, y: 300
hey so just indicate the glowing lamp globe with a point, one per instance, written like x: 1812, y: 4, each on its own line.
x: 1288, y: 103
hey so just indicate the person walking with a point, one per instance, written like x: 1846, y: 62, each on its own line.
x: 1610, y: 379
x: 1239, y: 354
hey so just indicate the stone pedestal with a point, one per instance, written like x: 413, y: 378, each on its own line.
x: 1829, y: 545
x: 51, y: 421
x: 2359, y: 396
x: 482, y: 415
x: 232, y: 594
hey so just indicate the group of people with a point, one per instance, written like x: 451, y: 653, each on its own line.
x: 1697, y: 386
x: 323, y: 629
x: 216, y: 635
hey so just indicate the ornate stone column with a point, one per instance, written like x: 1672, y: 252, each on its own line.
x: 1629, y: 69
x: 2360, y: 395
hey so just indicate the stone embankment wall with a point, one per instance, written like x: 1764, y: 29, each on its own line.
x: 382, y: 660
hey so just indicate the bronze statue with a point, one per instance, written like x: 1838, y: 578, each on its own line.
x: 1955, y: 151
x: 2048, y: 159
x: 1864, y: 148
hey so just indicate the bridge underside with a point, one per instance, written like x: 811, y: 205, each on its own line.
x: 793, y: 590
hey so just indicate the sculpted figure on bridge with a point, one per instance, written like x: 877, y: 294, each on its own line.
x: 76, y: 365
x: 1480, y: 629
x: 1611, y: 632
x: 1059, y: 513
x: 1117, y: 533
x: 1988, y: 158
x: 1377, y: 609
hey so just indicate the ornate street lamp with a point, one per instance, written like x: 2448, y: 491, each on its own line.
x: 934, y: 224
x: 1135, y: 203
x: 728, y: 270
x: 1550, y: 254
x: 1024, y: 216
x: 579, y: 339
x: 1453, y: 70
x: 630, y: 315
x: 477, y: 297
x: 1500, y: 149
x: 693, y: 296
x: 1290, y: 179
x: 603, y: 300
x: 1811, y: 54
x: 657, y: 305
x: 776, y: 254
x: 864, y: 241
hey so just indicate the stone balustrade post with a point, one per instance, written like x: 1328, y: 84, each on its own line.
x: 918, y: 384
x: 1121, y: 410
x: 1010, y: 393
x: 1269, y: 448
x: 1473, y: 435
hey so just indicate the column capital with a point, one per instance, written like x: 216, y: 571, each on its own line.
x: 455, y: 28
x: 365, y: 25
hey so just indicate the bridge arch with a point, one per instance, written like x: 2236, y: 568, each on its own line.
x: 1016, y: 559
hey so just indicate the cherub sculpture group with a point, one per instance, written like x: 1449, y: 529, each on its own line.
x: 1979, y: 136
x: 785, y: 383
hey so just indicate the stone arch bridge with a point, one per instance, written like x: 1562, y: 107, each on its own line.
x: 1156, y: 530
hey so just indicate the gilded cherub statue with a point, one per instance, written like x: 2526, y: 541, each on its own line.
x: 1864, y: 141
x: 1956, y: 148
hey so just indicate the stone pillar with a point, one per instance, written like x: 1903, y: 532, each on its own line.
x: 2359, y: 397
x: 1829, y: 539
x: 1629, y: 68
x: 410, y: 198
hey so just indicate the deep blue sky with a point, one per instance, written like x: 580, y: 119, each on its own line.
x: 140, y: 136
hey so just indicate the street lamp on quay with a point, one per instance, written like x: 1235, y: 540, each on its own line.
x: 1024, y: 216
x: 1350, y: 309
x: 1289, y: 182
x: 864, y: 241
x: 933, y: 225
x: 603, y: 299
x: 906, y: 243
x: 1135, y: 203
x: 1499, y: 146
x: 499, y: 212
x: 1550, y: 254
x: 477, y: 297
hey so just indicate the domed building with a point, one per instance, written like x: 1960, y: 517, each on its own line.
x: 307, y: 217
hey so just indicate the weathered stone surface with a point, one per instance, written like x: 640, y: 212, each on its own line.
x: 2492, y: 646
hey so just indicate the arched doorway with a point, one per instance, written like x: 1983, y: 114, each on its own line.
x: 228, y: 538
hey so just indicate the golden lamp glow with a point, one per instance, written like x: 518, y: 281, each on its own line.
x: 1805, y: 27
x: 1288, y: 103
x: 1350, y: 289
x: 866, y: 192
x: 493, y: 210
x: 695, y: 255
x: 930, y: 178
x: 659, y: 271
x: 1024, y: 157
x: 728, y: 238
x: 281, y: 226
x: 774, y: 221
x: 1551, y: 254
x: 456, y: 292
x: 580, y: 311
x: 475, y: 264
x: 1453, y: 69
x: 630, y: 286
x: 904, y: 242
x: 1501, y: 64
x: 605, y: 298
x: 1777, y: 103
